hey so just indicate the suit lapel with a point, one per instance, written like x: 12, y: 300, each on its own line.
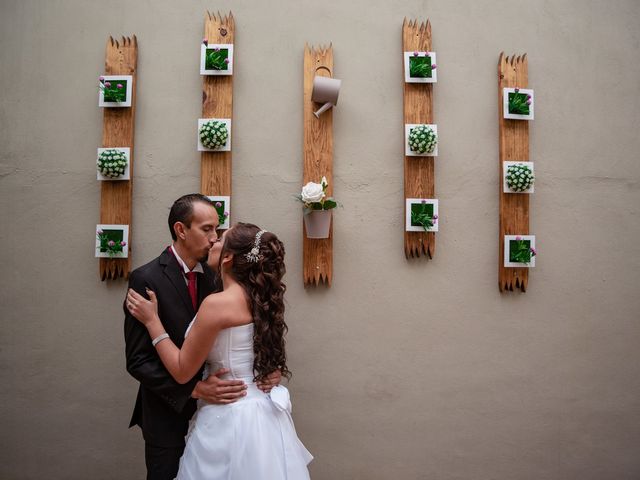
x: 172, y: 271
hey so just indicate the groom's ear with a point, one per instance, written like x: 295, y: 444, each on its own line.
x: 179, y: 228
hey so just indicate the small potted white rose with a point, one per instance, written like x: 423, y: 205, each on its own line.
x: 317, y: 209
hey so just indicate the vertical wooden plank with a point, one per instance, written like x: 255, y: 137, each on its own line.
x: 514, y: 145
x: 419, y: 177
x: 118, y: 131
x: 217, y: 102
x: 318, y: 162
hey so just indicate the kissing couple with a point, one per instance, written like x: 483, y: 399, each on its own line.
x: 204, y: 333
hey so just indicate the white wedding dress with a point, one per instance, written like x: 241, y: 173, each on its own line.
x: 251, y: 439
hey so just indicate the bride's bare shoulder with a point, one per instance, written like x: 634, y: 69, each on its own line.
x: 218, y: 310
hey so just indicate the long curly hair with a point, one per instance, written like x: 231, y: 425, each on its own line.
x: 262, y: 282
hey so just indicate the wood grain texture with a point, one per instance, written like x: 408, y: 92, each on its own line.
x: 318, y: 162
x: 514, y: 145
x: 217, y: 102
x: 419, y: 177
x: 118, y: 131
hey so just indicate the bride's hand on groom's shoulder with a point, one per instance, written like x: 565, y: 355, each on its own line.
x: 145, y: 311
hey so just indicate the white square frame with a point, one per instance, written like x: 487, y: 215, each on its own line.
x: 505, y: 187
x: 505, y: 104
x: 125, y: 235
x: 227, y: 203
x: 127, y: 102
x: 127, y: 173
x: 407, y: 222
x: 407, y: 150
x: 409, y: 79
x: 507, y: 246
x: 203, y: 50
x: 224, y: 148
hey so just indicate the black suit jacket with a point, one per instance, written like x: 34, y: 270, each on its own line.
x: 163, y: 407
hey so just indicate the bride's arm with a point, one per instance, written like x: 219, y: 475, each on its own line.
x: 183, y: 363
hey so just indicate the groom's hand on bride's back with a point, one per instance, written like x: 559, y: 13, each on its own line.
x: 216, y: 390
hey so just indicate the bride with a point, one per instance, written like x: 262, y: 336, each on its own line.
x: 241, y: 329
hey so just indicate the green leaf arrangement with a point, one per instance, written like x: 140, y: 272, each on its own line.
x: 113, y: 90
x: 420, y: 67
x: 519, y: 102
x: 216, y: 58
x: 423, y: 215
x: 520, y: 251
x: 109, y: 245
x: 222, y: 213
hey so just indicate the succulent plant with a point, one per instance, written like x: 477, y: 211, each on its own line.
x: 112, y: 163
x: 213, y: 134
x: 519, y: 177
x: 422, y: 139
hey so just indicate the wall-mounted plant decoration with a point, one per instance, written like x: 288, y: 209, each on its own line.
x: 214, y: 134
x: 317, y: 253
x: 518, y: 177
x: 420, y: 136
x: 516, y: 173
x: 421, y: 140
x: 113, y: 163
x: 520, y: 251
x: 217, y: 58
x: 317, y: 209
x: 223, y: 207
x: 420, y: 67
x: 115, y: 157
x: 112, y: 241
x: 421, y: 215
x: 517, y: 103
x: 214, y: 128
x: 115, y: 90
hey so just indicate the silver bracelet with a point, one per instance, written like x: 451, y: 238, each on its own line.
x: 159, y: 338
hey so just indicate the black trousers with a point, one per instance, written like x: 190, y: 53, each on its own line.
x: 162, y: 462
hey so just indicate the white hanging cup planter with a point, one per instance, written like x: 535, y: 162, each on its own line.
x: 318, y: 223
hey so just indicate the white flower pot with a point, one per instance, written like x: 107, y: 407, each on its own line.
x: 317, y: 223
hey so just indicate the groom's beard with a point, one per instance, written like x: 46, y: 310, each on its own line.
x: 204, y: 259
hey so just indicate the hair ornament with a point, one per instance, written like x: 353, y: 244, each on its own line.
x: 254, y: 255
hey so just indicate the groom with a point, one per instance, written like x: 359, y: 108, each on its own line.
x: 181, y: 279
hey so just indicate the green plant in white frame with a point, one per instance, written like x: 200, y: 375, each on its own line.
x: 111, y: 241
x: 420, y: 67
x: 519, y: 177
x: 421, y: 215
x: 520, y: 250
x: 115, y: 90
x: 216, y: 59
x: 113, y: 163
x: 222, y: 205
x: 421, y: 140
x: 214, y: 134
x: 517, y: 103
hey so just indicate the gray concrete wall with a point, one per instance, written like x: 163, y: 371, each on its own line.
x: 403, y: 370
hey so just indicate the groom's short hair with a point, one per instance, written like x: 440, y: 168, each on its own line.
x: 182, y: 210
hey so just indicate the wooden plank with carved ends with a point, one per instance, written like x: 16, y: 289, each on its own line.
x: 318, y: 162
x: 419, y: 176
x: 217, y: 102
x: 514, y: 145
x: 118, y: 131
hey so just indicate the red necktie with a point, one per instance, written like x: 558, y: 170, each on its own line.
x: 193, y: 291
